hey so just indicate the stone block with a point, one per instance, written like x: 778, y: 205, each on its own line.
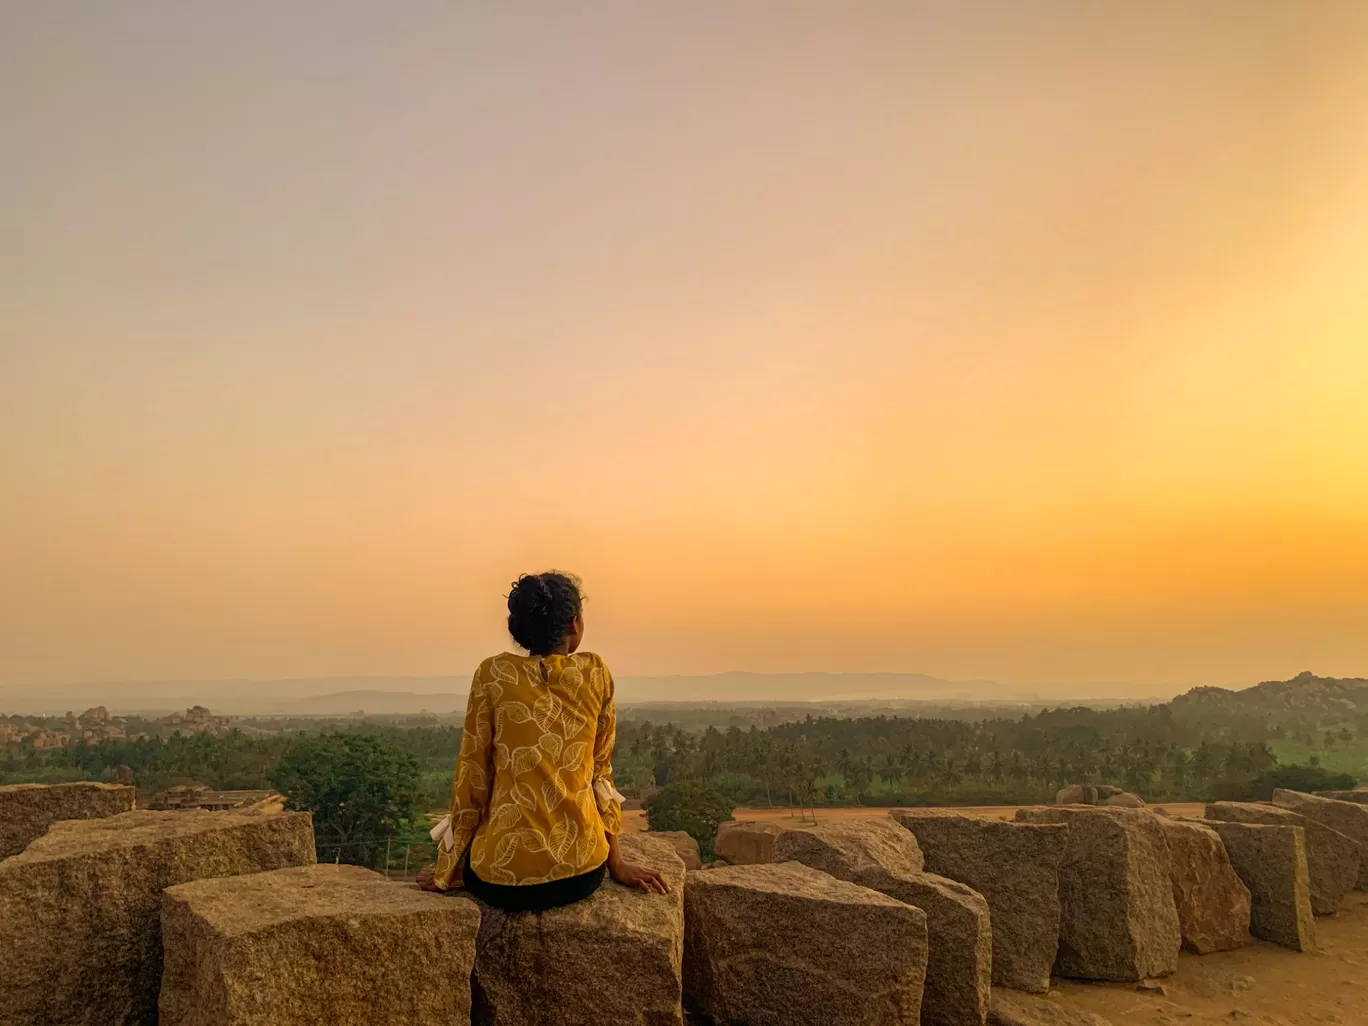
x: 684, y: 845
x: 616, y: 957
x: 1213, y: 903
x: 746, y: 842
x: 27, y: 810
x: 1076, y: 794
x: 1271, y: 860
x: 1349, y: 818
x: 1015, y: 867
x: 1332, y: 859
x: 315, y: 946
x: 1119, y: 919
x: 80, y: 908
x: 786, y: 945
x: 880, y: 855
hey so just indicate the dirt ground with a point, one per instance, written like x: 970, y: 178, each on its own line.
x: 1258, y: 985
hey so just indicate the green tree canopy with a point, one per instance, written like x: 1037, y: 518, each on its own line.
x: 691, y: 806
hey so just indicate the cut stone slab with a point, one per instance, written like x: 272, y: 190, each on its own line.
x: 616, y: 957
x: 1126, y: 800
x: 1356, y: 796
x: 746, y: 842
x: 787, y: 945
x: 684, y: 845
x: 315, y: 946
x: 880, y: 855
x: 1010, y: 1009
x: 27, y: 810
x: 1332, y: 859
x: 1271, y: 860
x: 1213, y: 902
x: 1015, y: 867
x: 80, y: 908
x: 1119, y: 919
x: 1349, y: 818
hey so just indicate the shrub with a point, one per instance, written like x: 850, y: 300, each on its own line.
x: 693, y: 807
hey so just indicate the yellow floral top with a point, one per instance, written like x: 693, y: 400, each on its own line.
x: 534, y: 796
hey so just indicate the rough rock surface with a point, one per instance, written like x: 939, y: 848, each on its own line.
x: 27, y: 810
x: 786, y: 945
x: 315, y: 946
x: 684, y: 845
x: 879, y: 854
x: 1126, y: 800
x: 614, y: 958
x: 1076, y: 794
x: 1011, y: 1009
x: 1349, y: 818
x: 1119, y: 920
x: 1271, y: 860
x: 1015, y: 867
x: 80, y: 908
x: 1213, y: 903
x: 1356, y: 796
x: 1332, y: 859
x: 746, y: 842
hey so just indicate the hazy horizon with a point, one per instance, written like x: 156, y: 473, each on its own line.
x: 991, y: 341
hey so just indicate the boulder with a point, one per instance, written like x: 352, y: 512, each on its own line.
x: 1332, y: 859
x: 1105, y: 791
x: 1126, y: 800
x: 1213, y: 903
x: 80, y: 908
x: 27, y: 810
x: 880, y: 855
x: 786, y: 945
x: 1349, y: 818
x: 746, y: 842
x: 1015, y: 867
x: 1356, y: 796
x: 1011, y: 1009
x: 684, y: 845
x: 1271, y: 860
x: 314, y: 946
x: 1076, y: 794
x: 615, y: 957
x: 1119, y: 921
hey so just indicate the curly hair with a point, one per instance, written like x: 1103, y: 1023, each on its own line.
x: 542, y: 610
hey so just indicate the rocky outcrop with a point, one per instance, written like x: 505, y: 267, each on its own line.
x: 1349, y: 818
x: 1126, y: 800
x: 314, y: 946
x: 746, y: 842
x: 1015, y: 867
x: 1119, y: 921
x: 613, y: 958
x: 1011, y: 1009
x: 1356, y: 796
x: 80, y: 908
x: 880, y: 855
x: 1076, y: 794
x: 1213, y: 903
x: 1271, y: 860
x: 786, y: 945
x: 684, y: 845
x: 1332, y: 859
x: 27, y: 810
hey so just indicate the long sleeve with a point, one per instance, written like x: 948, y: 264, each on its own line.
x: 470, y: 792
x: 606, y: 796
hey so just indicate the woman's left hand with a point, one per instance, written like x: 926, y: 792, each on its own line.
x: 629, y: 874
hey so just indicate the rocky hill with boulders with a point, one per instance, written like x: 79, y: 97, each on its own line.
x: 113, y: 915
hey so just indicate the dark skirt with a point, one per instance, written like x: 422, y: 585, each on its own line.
x: 533, y: 897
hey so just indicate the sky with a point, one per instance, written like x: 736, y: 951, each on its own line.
x: 1025, y: 342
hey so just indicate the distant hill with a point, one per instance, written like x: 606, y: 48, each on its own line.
x: 1304, y: 700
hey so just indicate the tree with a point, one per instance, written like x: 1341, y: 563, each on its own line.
x: 358, y: 788
x: 693, y: 807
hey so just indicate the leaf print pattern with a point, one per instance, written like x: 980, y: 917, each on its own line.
x: 538, y: 733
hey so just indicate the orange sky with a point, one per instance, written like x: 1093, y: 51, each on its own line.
x: 1020, y: 341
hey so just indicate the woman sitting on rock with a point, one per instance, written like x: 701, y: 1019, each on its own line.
x: 534, y: 817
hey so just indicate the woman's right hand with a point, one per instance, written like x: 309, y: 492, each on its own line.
x: 629, y: 874
x: 425, y: 879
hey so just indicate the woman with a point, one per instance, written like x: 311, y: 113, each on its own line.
x: 534, y: 815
